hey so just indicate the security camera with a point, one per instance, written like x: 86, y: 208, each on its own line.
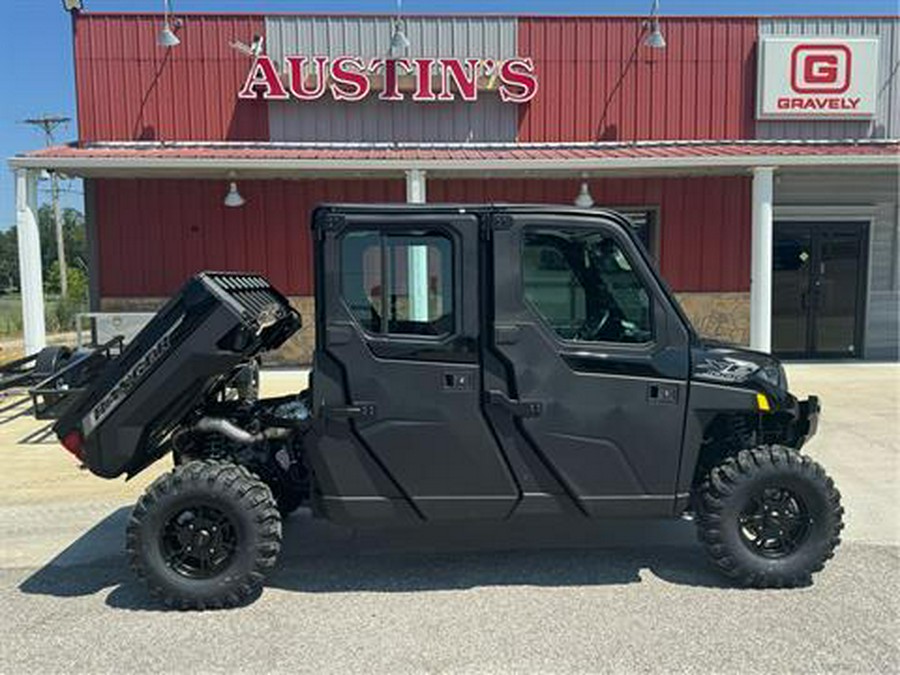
x: 73, y: 5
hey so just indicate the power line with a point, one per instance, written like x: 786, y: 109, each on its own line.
x: 49, y: 124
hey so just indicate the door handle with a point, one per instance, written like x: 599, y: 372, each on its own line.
x: 660, y: 392
x: 514, y: 407
x: 351, y: 411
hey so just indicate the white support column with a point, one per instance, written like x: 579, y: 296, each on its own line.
x: 417, y: 271
x: 415, y: 187
x: 31, y: 282
x: 761, y: 260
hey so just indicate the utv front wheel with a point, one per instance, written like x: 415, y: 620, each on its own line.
x: 769, y: 517
x: 204, y: 535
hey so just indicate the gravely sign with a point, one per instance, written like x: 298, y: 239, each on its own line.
x: 350, y: 78
x: 832, y: 78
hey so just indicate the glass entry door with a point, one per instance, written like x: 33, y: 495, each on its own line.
x: 818, y: 288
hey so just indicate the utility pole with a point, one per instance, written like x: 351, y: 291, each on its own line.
x: 49, y: 124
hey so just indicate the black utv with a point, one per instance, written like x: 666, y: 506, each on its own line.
x: 471, y: 362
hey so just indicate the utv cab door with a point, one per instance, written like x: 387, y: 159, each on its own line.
x: 593, y: 362
x: 397, y: 379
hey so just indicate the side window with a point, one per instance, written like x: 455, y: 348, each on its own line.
x: 361, y: 281
x: 584, y: 287
x: 398, y: 284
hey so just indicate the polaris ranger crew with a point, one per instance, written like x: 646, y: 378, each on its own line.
x: 471, y: 362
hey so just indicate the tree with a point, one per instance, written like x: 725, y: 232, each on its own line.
x: 9, y: 260
x: 74, y: 237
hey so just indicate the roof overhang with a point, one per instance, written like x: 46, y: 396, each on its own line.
x: 311, y: 160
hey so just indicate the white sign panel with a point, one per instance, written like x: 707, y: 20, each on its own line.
x: 813, y: 78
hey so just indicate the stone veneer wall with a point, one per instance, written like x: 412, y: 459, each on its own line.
x: 725, y: 316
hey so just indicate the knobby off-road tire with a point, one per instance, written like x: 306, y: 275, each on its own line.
x: 783, y: 498
x: 204, y: 535
x: 287, y: 499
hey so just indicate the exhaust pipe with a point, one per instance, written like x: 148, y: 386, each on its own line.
x: 232, y: 431
x: 228, y: 429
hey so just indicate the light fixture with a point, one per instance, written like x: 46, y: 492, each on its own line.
x: 73, y: 5
x: 584, y: 200
x: 399, y: 42
x: 166, y: 37
x: 655, y: 38
x: 233, y: 199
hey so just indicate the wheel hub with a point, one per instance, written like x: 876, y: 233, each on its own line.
x: 774, y: 523
x: 199, y: 542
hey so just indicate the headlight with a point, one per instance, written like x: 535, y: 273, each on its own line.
x: 774, y: 375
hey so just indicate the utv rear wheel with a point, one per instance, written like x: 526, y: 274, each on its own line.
x: 204, y: 535
x: 769, y: 517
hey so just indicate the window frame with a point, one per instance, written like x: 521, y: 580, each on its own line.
x: 654, y: 308
x: 655, y: 237
x: 410, y: 230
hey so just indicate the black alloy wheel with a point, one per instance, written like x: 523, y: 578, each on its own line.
x: 775, y: 523
x: 199, y: 542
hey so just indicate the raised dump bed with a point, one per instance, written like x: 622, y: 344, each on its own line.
x: 193, y: 347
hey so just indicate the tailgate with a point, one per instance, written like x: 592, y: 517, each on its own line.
x: 217, y: 321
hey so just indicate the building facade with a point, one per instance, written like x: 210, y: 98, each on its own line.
x: 756, y: 157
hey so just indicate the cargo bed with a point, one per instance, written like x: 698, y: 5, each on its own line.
x: 189, y: 350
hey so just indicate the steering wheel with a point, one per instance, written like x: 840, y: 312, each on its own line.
x: 592, y: 327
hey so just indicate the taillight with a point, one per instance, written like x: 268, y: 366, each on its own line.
x: 73, y: 442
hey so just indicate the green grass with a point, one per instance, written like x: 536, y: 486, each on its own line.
x: 11, y: 315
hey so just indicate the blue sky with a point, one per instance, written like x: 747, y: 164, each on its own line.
x: 37, y: 76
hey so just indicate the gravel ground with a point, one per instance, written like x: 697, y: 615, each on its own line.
x: 532, y: 595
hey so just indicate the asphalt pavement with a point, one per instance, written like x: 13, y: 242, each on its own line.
x: 533, y: 595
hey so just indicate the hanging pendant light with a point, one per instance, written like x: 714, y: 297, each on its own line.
x: 233, y: 198
x: 584, y: 200
x: 655, y: 38
x: 399, y: 42
x: 166, y: 37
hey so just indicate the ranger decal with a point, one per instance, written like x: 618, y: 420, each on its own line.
x: 124, y: 386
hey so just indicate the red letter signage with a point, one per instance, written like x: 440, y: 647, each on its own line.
x: 297, y: 70
x: 263, y: 77
x: 428, y: 80
x: 520, y: 84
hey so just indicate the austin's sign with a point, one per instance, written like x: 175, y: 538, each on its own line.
x: 833, y: 78
x: 350, y: 78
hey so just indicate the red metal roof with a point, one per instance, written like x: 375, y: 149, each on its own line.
x: 469, y: 152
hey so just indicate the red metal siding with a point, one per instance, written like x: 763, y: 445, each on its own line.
x: 129, y: 88
x: 704, y: 228
x: 154, y: 234
x: 598, y: 82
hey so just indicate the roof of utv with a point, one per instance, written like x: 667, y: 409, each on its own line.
x: 436, y: 208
